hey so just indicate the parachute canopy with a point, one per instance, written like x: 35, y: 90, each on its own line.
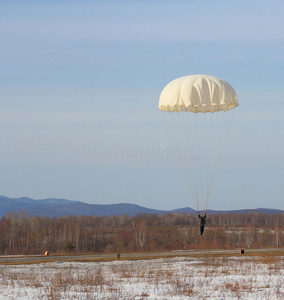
x: 198, y: 93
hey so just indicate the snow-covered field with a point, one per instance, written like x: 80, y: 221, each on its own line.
x: 171, y: 278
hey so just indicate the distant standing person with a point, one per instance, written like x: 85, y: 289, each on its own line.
x: 202, y: 222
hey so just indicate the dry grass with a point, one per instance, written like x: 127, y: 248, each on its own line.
x: 197, y: 278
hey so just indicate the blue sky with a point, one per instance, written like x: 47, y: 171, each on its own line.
x: 79, y: 89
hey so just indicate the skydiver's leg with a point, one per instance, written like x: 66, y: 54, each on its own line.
x: 201, y: 229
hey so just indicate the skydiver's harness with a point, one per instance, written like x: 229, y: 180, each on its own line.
x: 202, y: 219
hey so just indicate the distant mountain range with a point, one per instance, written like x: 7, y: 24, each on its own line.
x: 61, y: 207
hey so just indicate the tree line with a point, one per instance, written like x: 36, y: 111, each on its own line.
x: 21, y: 234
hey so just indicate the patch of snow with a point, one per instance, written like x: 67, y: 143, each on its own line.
x: 166, y: 278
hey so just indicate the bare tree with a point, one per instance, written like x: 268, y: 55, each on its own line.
x: 277, y: 232
x: 140, y: 233
x: 249, y: 235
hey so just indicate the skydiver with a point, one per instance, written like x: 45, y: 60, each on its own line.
x: 202, y: 222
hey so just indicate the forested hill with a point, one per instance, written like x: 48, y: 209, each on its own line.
x: 61, y: 207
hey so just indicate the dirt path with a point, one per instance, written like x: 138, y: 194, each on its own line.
x: 30, y: 259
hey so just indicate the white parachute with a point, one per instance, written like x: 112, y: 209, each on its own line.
x: 199, y: 110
